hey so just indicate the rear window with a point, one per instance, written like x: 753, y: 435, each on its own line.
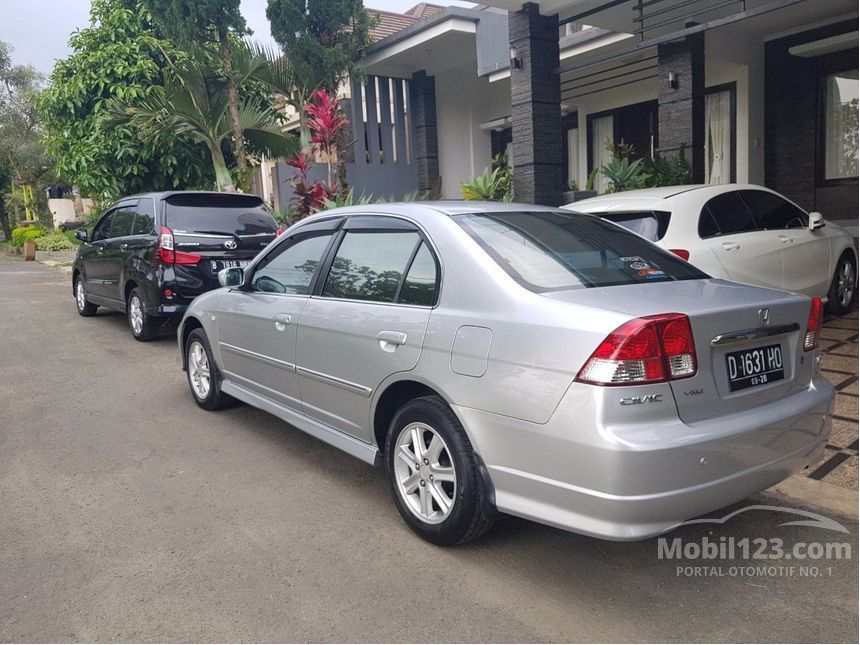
x: 651, y: 225
x: 556, y: 251
x: 219, y: 214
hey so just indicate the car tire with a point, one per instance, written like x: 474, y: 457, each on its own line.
x: 204, y: 379
x: 439, y: 491
x: 843, y: 288
x: 85, y: 307
x: 143, y: 326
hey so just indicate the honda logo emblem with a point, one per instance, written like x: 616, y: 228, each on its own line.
x: 764, y: 317
x: 230, y: 244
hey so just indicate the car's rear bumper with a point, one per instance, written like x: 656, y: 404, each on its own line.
x: 603, y: 483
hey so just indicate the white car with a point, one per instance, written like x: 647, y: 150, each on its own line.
x: 743, y: 233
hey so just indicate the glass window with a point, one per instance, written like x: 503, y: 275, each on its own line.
x: 370, y: 265
x: 730, y: 215
x: 840, y: 125
x: 122, y: 221
x: 292, y: 269
x: 602, y: 135
x: 102, y: 229
x: 419, y: 287
x: 651, y: 225
x: 552, y: 251
x: 219, y: 214
x: 144, y: 222
x: 718, y: 137
x: 572, y: 155
x: 773, y: 212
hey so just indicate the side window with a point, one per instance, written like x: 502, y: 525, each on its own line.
x: 419, y: 287
x: 729, y: 214
x: 102, y: 229
x: 292, y: 269
x: 707, y: 226
x: 370, y: 265
x: 122, y: 221
x: 144, y: 220
x: 773, y: 212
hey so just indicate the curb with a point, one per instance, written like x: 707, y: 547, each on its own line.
x: 819, y: 495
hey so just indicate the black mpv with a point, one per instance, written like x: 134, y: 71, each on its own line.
x: 150, y: 255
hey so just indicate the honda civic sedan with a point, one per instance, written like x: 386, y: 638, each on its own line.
x: 511, y: 359
x: 741, y: 232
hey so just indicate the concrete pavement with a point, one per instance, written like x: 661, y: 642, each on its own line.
x: 129, y: 514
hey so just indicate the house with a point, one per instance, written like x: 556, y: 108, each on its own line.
x: 760, y: 91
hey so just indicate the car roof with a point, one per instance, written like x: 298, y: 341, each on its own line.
x: 654, y: 198
x: 164, y: 194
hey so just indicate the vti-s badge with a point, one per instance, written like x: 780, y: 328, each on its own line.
x: 639, y: 400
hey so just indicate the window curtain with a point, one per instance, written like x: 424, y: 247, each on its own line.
x: 573, y: 155
x: 602, y: 134
x: 840, y: 158
x: 718, y: 137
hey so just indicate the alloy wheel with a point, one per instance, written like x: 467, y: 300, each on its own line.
x: 198, y: 370
x: 424, y: 473
x: 846, y: 283
x: 135, y: 314
x: 80, y: 295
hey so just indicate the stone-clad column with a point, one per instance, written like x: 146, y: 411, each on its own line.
x: 682, y: 108
x: 422, y: 91
x: 536, y: 107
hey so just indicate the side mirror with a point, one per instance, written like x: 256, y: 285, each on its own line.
x: 816, y: 220
x: 82, y: 235
x: 231, y: 277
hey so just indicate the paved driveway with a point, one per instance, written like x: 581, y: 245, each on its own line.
x: 128, y: 514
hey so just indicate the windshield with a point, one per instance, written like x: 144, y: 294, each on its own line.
x: 651, y: 225
x: 219, y: 214
x: 554, y: 251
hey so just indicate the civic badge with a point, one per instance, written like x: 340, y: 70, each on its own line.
x: 232, y: 244
x: 764, y: 317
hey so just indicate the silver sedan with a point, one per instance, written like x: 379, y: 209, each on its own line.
x: 514, y: 359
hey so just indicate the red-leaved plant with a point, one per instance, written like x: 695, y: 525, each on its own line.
x: 326, y: 123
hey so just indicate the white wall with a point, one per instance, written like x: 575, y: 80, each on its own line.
x: 63, y: 210
x: 463, y: 102
x: 750, y: 111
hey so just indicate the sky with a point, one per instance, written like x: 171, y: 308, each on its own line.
x: 39, y: 30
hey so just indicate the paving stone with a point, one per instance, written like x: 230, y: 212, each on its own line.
x: 845, y: 474
x: 835, y: 333
x: 846, y: 364
x: 846, y: 406
x: 843, y: 434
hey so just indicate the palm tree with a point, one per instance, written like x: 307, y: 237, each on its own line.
x: 194, y: 102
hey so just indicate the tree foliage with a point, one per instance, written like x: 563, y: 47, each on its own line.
x: 22, y: 155
x: 119, y: 56
x: 193, y: 103
x: 200, y: 23
x: 323, y: 39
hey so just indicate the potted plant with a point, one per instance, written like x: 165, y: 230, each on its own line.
x: 574, y: 194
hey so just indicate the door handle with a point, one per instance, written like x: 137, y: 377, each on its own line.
x: 124, y: 245
x: 731, y: 246
x: 281, y: 321
x: 786, y: 240
x: 391, y: 340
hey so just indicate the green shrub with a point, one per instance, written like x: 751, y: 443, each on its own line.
x: 26, y: 233
x: 54, y: 242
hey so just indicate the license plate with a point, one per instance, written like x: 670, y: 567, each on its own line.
x: 217, y: 265
x: 752, y: 367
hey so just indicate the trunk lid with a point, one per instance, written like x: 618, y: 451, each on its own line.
x: 225, y: 230
x: 725, y: 318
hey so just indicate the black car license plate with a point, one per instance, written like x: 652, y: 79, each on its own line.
x: 217, y: 265
x: 752, y: 367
